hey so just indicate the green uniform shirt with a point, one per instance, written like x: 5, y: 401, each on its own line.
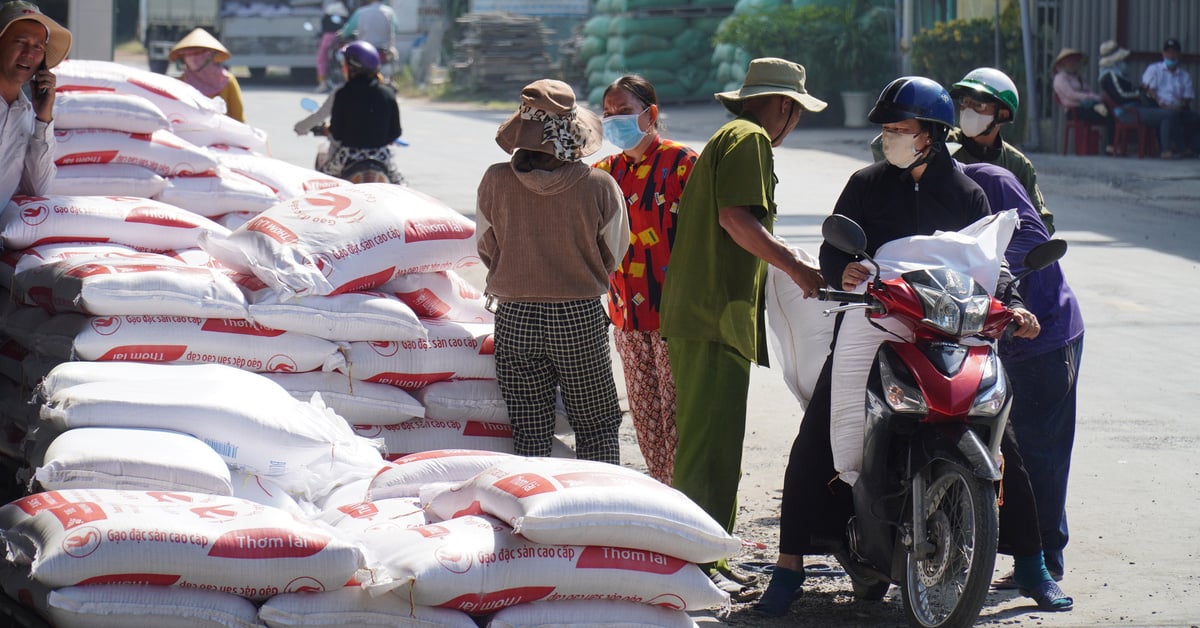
x: 714, y: 289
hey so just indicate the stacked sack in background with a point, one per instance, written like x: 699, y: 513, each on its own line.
x: 666, y: 41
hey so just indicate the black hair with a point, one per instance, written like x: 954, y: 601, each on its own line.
x: 637, y: 85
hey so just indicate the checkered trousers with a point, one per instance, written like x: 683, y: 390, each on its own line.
x: 541, y: 347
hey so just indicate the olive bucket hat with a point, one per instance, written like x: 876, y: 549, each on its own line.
x: 768, y: 76
x: 58, y: 39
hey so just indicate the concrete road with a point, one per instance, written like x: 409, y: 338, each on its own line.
x: 1134, y: 230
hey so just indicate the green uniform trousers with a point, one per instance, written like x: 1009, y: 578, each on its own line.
x: 712, y: 381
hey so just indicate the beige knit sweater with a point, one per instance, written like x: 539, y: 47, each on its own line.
x: 549, y: 235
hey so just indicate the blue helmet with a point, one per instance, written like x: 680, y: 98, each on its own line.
x: 360, y: 56
x: 914, y: 98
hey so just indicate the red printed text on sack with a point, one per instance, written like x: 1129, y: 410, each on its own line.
x: 255, y: 543
x: 625, y: 559
x: 436, y: 229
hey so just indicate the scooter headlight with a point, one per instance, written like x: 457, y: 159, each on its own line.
x: 993, y: 389
x: 952, y: 301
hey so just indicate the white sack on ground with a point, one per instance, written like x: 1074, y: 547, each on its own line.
x: 138, y: 606
x: 141, y: 223
x: 476, y: 564
x: 161, y: 151
x: 137, y: 283
x: 356, y: 401
x: 361, y: 315
x: 106, y: 180
x: 441, y: 295
x: 216, y: 193
x: 478, y: 399
x: 800, y: 331
x: 352, y: 607
x: 590, y: 614
x: 224, y: 131
x: 234, y: 546
x: 351, y: 238
x: 71, y: 374
x: 95, y: 109
x: 132, y: 459
x: 405, y: 476
x: 192, y: 340
x: 453, y: 351
x: 256, y: 426
x: 286, y: 179
x: 588, y: 503
x: 353, y: 519
x: 417, y: 435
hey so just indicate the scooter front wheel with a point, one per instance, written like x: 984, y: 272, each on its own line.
x: 946, y: 584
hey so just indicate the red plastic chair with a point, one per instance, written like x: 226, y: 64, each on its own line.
x: 1087, y: 134
x: 1123, y: 132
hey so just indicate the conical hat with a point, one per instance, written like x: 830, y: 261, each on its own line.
x: 200, y: 38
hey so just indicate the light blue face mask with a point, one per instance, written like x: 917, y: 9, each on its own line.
x: 624, y: 131
x: 1170, y: 63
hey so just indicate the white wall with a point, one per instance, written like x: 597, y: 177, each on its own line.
x: 91, y: 26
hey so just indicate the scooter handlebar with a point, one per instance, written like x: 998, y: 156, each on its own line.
x: 841, y: 296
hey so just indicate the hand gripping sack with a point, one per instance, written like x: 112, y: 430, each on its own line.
x: 355, y: 237
x: 582, y: 502
x: 476, y: 564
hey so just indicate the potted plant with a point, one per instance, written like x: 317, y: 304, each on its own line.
x: 864, y: 57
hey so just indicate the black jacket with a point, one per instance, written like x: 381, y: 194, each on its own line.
x: 365, y: 114
x: 886, y: 202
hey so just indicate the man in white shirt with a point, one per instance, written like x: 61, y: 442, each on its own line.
x: 30, y: 44
x: 375, y: 23
x: 1170, y: 86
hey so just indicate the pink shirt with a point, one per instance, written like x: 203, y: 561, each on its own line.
x: 1070, y: 91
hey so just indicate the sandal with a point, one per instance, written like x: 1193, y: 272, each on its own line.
x: 786, y: 586
x: 1049, y: 597
x: 737, y: 592
x: 1006, y: 582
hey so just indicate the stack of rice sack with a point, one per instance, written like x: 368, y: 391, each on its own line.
x: 666, y: 41
x: 131, y: 132
x: 370, y: 267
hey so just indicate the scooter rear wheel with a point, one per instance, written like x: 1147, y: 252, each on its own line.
x: 947, y: 586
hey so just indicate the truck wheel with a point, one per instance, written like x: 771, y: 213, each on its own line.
x: 258, y: 73
x: 303, y: 75
x: 159, y: 65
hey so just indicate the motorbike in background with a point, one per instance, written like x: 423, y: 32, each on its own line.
x: 925, y: 510
x: 358, y: 171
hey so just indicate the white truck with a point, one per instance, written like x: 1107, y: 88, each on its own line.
x: 282, y: 33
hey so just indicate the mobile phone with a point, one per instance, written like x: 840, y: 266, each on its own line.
x: 42, y: 92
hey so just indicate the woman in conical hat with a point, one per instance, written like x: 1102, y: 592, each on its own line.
x: 201, y: 56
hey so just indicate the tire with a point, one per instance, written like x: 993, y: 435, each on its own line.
x: 159, y: 66
x: 948, y: 589
x: 258, y: 74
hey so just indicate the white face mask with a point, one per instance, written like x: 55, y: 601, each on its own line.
x: 899, y: 149
x: 972, y: 123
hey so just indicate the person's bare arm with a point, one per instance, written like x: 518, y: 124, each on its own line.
x: 748, y: 233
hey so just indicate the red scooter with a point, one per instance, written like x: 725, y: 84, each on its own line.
x: 925, y: 512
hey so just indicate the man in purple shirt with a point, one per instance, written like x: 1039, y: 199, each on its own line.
x: 1043, y: 371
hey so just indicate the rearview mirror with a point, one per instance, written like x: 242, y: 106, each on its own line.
x: 844, y: 234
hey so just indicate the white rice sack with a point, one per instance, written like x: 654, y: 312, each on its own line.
x: 352, y: 607
x: 354, y: 518
x: 351, y: 238
x: 589, y: 503
x: 257, y: 426
x: 262, y: 490
x: 75, y: 373
x: 233, y: 220
x: 418, y: 435
x: 476, y: 564
x: 234, y: 546
x: 453, y: 351
x: 363, y: 315
x: 95, y: 109
x: 182, y: 104
x: 42, y: 254
x: 358, y: 402
x: 478, y: 399
x: 442, y: 295
x: 25, y: 508
x: 286, y: 179
x: 141, y: 223
x: 353, y: 492
x: 161, y: 151
x: 216, y: 193
x: 106, y: 180
x: 800, y: 331
x: 132, y: 459
x: 405, y: 476
x: 137, y: 606
x: 136, y: 283
x: 224, y: 131
x: 590, y: 614
x: 192, y: 340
